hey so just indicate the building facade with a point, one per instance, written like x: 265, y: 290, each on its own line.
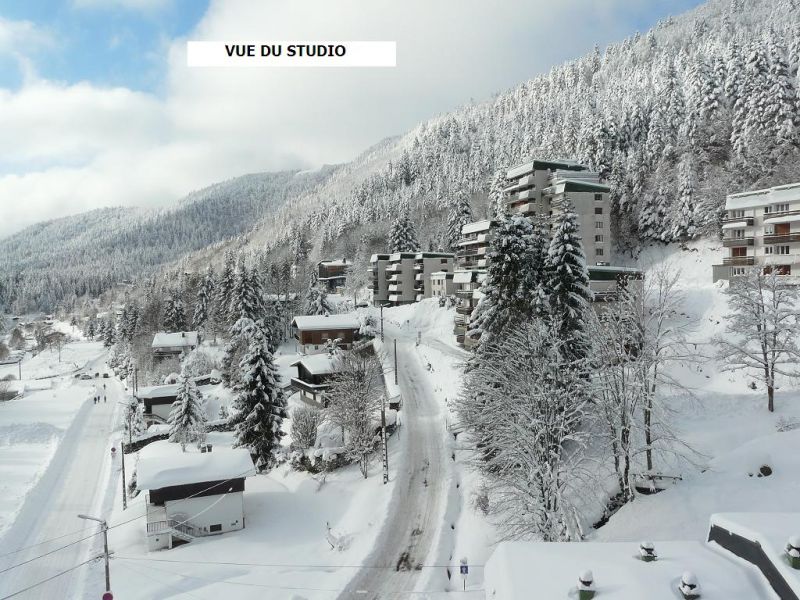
x: 761, y: 229
x: 541, y: 189
x: 405, y: 277
x: 442, y: 284
x: 314, y: 333
x: 332, y: 274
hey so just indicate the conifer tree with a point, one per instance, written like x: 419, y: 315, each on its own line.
x: 260, y: 406
x: 109, y: 334
x: 204, y: 296
x: 684, y: 226
x: 403, y: 235
x: 174, y: 316
x: 187, y: 419
x: 224, y: 288
x: 316, y: 300
x: 460, y: 214
x: 568, y: 280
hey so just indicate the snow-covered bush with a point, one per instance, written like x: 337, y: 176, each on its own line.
x: 199, y: 361
x: 305, y: 420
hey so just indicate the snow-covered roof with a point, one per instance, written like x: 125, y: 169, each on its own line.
x: 316, y: 364
x: 484, y: 225
x: 157, y: 391
x: 335, y: 263
x: 613, y: 268
x: 376, y: 257
x: 326, y: 322
x: 524, y: 570
x: 756, y: 198
x: 789, y: 219
x: 736, y: 225
x: 170, y: 340
x: 163, y: 464
x: 771, y: 531
x: 462, y: 276
x: 441, y: 275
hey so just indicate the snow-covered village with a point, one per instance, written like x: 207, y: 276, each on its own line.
x: 513, y: 315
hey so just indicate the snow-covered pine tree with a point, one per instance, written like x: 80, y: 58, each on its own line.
x: 109, y: 333
x: 224, y: 288
x: 684, y: 226
x: 134, y: 419
x: 568, y: 280
x: 174, y: 316
x: 497, y: 197
x: 246, y: 297
x: 187, y: 419
x: 316, y: 300
x: 403, y: 234
x: 511, y: 289
x: 460, y: 214
x: 259, y: 407
x: 205, y: 294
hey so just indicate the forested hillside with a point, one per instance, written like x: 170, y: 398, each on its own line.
x: 702, y: 105
x: 60, y: 260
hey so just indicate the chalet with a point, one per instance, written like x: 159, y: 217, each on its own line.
x: 312, y: 374
x: 332, y: 274
x: 192, y: 494
x: 314, y: 331
x: 173, y: 344
x: 157, y: 401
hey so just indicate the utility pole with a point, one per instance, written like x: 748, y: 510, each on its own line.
x: 384, y: 441
x: 124, y: 490
x: 104, y: 526
x: 395, y: 361
x: 381, y: 322
x: 19, y: 366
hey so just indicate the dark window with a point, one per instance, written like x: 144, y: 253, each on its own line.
x: 598, y: 197
x: 214, y: 528
x: 598, y: 210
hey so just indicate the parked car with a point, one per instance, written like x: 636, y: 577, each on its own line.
x: 85, y: 376
x: 105, y: 375
x: 97, y: 375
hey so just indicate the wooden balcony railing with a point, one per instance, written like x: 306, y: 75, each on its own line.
x: 784, y: 238
x: 748, y: 220
x: 738, y: 261
x: 732, y: 242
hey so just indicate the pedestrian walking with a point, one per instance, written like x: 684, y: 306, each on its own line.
x: 104, y: 399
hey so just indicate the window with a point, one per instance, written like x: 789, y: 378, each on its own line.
x: 599, y: 239
x: 215, y: 528
x: 738, y: 234
x: 780, y: 208
x: 598, y: 252
x: 769, y: 230
x: 768, y: 249
x: 737, y: 271
x: 781, y: 249
x: 598, y: 210
x: 739, y: 251
x: 737, y: 214
x: 598, y: 224
x: 598, y: 197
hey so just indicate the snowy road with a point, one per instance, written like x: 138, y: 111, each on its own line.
x: 415, y: 512
x: 72, y: 484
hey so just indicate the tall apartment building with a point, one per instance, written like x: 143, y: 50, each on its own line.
x: 542, y: 188
x: 405, y: 277
x: 761, y: 229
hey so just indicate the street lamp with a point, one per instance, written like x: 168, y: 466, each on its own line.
x: 104, y: 526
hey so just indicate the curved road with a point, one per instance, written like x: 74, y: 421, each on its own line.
x: 416, y: 510
x: 70, y: 485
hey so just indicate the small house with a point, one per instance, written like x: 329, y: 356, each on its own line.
x: 332, y: 274
x: 192, y: 494
x: 312, y: 374
x: 174, y: 344
x: 314, y: 332
x: 157, y: 401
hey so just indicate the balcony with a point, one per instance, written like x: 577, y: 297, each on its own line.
x: 782, y: 238
x: 459, y: 329
x: 467, y: 252
x: 783, y: 213
x: 738, y: 261
x: 527, y: 195
x: 747, y: 220
x: 463, y: 310
x: 732, y: 242
x: 465, y: 293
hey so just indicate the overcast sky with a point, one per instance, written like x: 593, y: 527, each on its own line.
x: 98, y: 108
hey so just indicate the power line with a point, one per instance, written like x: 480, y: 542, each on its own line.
x: 23, y: 548
x: 46, y: 554
x: 159, y: 581
x: 43, y: 581
x: 280, y: 565
x: 293, y: 588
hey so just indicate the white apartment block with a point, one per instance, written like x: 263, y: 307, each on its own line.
x: 442, y: 284
x: 761, y: 229
x: 405, y: 277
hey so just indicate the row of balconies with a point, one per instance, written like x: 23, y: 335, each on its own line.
x: 739, y: 261
x: 747, y: 220
x: 779, y: 238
